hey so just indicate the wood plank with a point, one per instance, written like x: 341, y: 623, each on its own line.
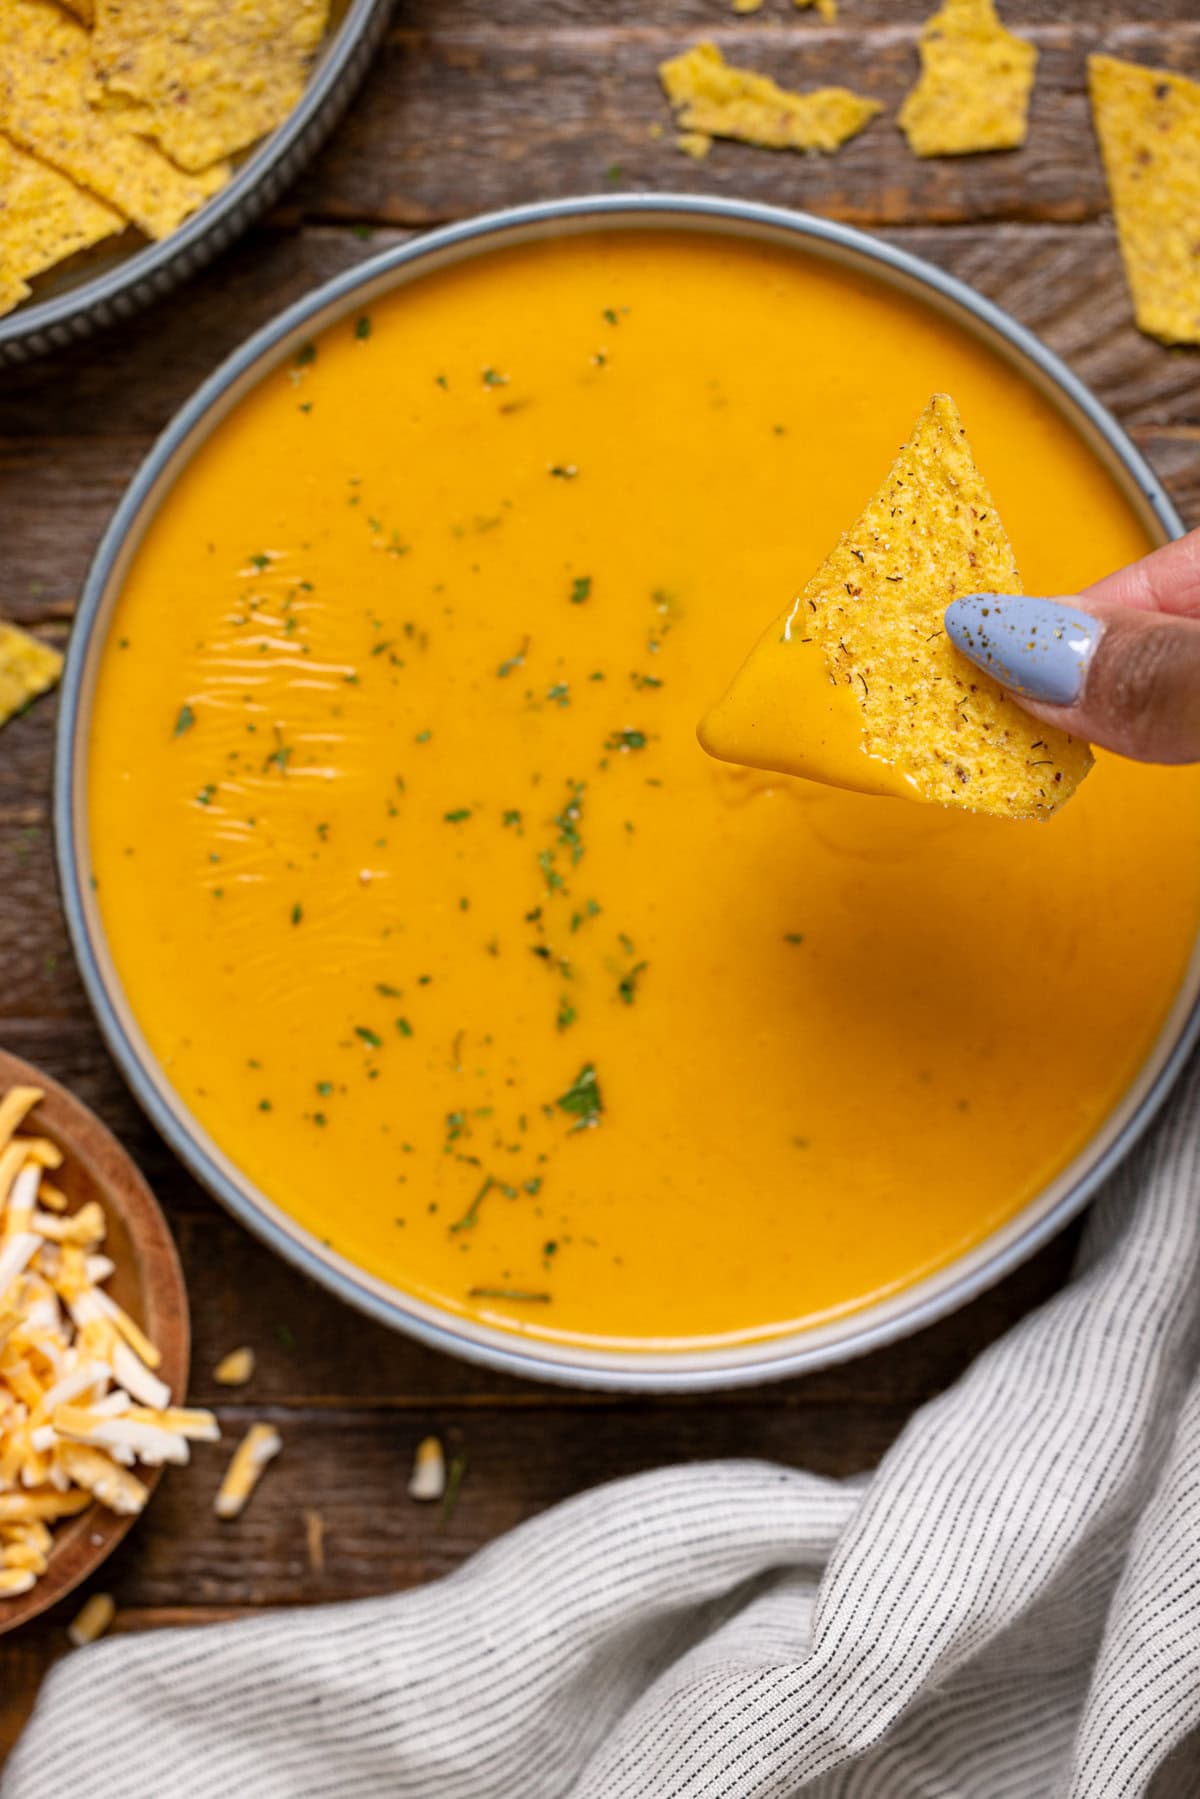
x: 458, y: 116
x: 857, y: 17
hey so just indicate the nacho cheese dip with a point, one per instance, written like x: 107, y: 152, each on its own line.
x: 444, y: 927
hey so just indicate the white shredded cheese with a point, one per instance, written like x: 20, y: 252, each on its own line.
x: 80, y: 1402
x: 428, y: 1478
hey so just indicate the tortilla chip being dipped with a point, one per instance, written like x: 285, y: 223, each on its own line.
x: 976, y: 79
x: 45, y: 72
x: 214, y: 76
x: 27, y: 668
x: 715, y: 100
x: 858, y: 684
x: 1148, y: 123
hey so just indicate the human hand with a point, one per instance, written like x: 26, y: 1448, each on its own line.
x: 1118, y: 664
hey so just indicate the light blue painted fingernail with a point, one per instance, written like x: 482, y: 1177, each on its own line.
x: 1040, y: 648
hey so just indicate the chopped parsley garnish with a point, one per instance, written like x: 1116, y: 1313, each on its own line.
x: 305, y: 354
x: 511, y: 818
x: 625, y: 740
x: 387, y: 991
x: 627, y: 986
x: 493, y: 378
x: 470, y: 1217
x: 568, y: 821
x: 279, y: 758
x: 512, y: 662
x: 405, y: 1029
x: 560, y: 693
x: 205, y: 795
x: 793, y: 937
x: 260, y: 559
x: 368, y: 1036
x: 582, y: 1099
x: 581, y: 589
x: 324, y: 1088
x: 563, y: 471
x: 184, y: 721
x: 516, y: 1294
x: 566, y: 1015
x: 441, y: 380
x: 610, y: 316
x: 362, y: 328
x: 457, y: 816
x: 297, y: 912
x: 554, y: 881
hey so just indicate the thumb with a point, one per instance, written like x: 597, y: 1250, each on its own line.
x: 1115, y: 675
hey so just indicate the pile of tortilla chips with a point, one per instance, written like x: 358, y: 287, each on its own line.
x: 119, y: 113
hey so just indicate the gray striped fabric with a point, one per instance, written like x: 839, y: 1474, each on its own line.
x: 1009, y: 1608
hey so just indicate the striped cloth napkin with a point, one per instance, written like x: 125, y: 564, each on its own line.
x: 1008, y: 1608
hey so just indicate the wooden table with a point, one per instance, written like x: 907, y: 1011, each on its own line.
x: 470, y: 106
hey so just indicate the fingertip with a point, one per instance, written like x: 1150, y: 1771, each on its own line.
x: 1038, y: 648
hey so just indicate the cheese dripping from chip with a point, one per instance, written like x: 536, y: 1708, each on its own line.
x: 81, y: 1401
x: 858, y: 685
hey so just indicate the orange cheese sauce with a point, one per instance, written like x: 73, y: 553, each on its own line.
x: 403, y: 838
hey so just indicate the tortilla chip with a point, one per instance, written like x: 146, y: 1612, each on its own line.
x: 875, y: 610
x: 27, y: 668
x: 45, y: 218
x: 1148, y: 123
x: 716, y: 100
x: 44, y: 72
x: 216, y: 75
x: 976, y: 79
x: 84, y: 10
x: 12, y: 291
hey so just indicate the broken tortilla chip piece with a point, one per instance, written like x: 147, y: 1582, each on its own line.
x: 43, y: 216
x: 215, y: 75
x: 1148, y: 123
x: 715, y: 100
x: 27, y: 668
x: 976, y: 79
x: 826, y: 8
x: 44, y: 74
x: 859, y: 684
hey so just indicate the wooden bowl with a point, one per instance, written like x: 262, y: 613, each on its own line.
x: 148, y: 1283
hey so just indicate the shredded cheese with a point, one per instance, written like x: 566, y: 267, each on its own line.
x: 80, y: 1401
x: 260, y: 1445
x: 235, y: 1369
x: 92, y: 1619
x: 428, y: 1479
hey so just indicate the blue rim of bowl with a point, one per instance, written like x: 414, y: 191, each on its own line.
x: 143, y: 275
x: 629, y: 1370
